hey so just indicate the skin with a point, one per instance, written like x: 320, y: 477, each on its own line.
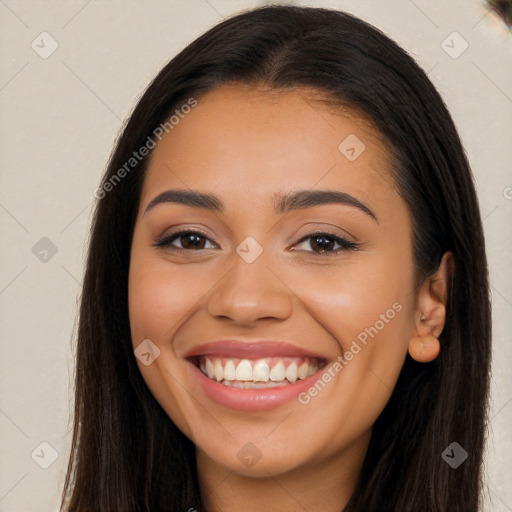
x: 245, y: 144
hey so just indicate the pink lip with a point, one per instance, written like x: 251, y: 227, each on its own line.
x: 249, y: 399
x: 250, y: 350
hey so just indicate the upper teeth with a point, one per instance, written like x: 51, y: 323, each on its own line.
x: 261, y: 370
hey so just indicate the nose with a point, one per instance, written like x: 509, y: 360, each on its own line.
x: 250, y: 292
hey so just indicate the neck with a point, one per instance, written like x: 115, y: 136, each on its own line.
x: 324, y: 486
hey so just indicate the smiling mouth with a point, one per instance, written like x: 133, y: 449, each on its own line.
x: 261, y: 373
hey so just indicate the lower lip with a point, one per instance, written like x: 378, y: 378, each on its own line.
x: 251, y: 399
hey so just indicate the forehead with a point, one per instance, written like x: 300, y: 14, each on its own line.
x: 257, y: 141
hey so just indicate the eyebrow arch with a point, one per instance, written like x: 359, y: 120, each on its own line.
x: 308, y: 198
x: 191, y: 198
x: 284, y: 202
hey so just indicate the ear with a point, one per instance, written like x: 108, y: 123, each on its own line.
x: 430, y: 314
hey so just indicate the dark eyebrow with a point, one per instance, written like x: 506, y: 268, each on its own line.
x: 284, y: 203
x: 309, y: 198
x: 189, y: 198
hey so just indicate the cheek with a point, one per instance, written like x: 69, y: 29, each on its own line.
x: 366, y: 310
x: 354, y: 301
x: 160, y: 299
x: 160, y: 302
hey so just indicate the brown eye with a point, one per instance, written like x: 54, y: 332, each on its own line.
x: 326, y: 243
x: 185, y: 240
x: 192, y: 241
x: 322, y: 242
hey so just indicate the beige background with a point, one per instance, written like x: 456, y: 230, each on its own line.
x: 60, y: 116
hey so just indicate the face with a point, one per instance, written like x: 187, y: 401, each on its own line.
x: 271, y: 320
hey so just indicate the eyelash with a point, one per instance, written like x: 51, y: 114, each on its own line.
x: 166, y: 241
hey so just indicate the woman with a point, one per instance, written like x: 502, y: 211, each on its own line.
x: 286, y: 299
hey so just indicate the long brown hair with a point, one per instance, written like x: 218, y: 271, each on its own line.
x: 126, y: 453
